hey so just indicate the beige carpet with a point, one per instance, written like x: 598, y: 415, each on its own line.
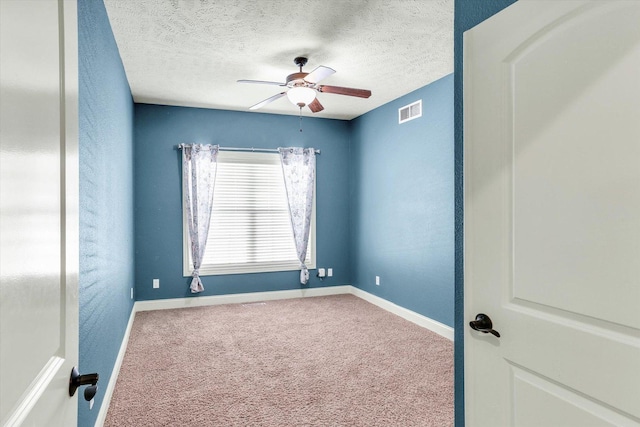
x: 324, y: 361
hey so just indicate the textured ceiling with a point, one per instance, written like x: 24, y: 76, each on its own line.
x: 191, y: 52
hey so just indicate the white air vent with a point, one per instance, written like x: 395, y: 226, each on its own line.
x: 410, y: 112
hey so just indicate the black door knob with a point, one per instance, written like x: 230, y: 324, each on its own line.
x: 78, y: 380
x: 483, y: 324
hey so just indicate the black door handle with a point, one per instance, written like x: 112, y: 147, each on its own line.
x: 78, y: 380
x: 90, y: 392
x: 483, y: 324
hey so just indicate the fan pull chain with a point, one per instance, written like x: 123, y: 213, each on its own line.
x: 300, y: 119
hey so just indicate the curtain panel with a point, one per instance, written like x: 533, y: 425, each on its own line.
x: 199, y: 165
x: 299, y: 169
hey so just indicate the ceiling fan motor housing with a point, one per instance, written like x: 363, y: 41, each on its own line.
x: 296, y: 79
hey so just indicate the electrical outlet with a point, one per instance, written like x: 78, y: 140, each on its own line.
x: 156, y: 283
x: 378, y: 280
x: 330, y: 272
x: 131, y: 293
x: 321, y: 272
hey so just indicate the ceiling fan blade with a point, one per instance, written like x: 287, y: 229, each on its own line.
x: 318, y: 74
x: 360, y: 93
x: 267, y: 101
x: 315, y: 106
x: 262, y: 82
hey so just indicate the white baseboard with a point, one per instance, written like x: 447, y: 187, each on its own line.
x: 163, y: 304
x: 411, y: 316
x: 108, y: 393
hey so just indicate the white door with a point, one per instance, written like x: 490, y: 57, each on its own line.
x: 39, y: 212
x: 552, y: 215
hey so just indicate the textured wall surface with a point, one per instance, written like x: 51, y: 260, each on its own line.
x: 106, y: 199
x: 469, y: 13
x: 402, y: 203
x: 159, y: 129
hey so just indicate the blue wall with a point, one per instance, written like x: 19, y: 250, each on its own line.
x: 468, y: 14
x: 158, y: 208
x: 402, y: 203
x: 106, y: 199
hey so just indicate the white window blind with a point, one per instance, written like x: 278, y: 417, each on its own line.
x: 250, y: 228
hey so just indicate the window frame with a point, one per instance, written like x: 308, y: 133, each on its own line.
x: 263, y: 267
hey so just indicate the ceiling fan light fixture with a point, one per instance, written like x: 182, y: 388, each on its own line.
x: 301, y: 96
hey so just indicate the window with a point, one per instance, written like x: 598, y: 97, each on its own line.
x: 250, y: 229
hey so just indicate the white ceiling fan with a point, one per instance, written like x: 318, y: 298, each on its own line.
x: 303, y: 87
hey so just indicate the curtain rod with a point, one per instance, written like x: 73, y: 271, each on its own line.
x: 252, y: 149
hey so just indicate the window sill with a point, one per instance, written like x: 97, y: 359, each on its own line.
x: 247, y: 269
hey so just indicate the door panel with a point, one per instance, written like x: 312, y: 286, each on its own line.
x: 552, y: 214
x: 38, y: 203
x: 581, y: 193
x: 541, y: 402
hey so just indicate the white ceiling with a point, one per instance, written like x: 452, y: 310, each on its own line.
x: 191, y: 52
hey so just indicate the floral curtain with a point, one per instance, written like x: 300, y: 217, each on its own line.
x: 299, y: 169
x: 198, y: 178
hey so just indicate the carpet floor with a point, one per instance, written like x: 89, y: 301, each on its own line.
x: 322, y: 361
